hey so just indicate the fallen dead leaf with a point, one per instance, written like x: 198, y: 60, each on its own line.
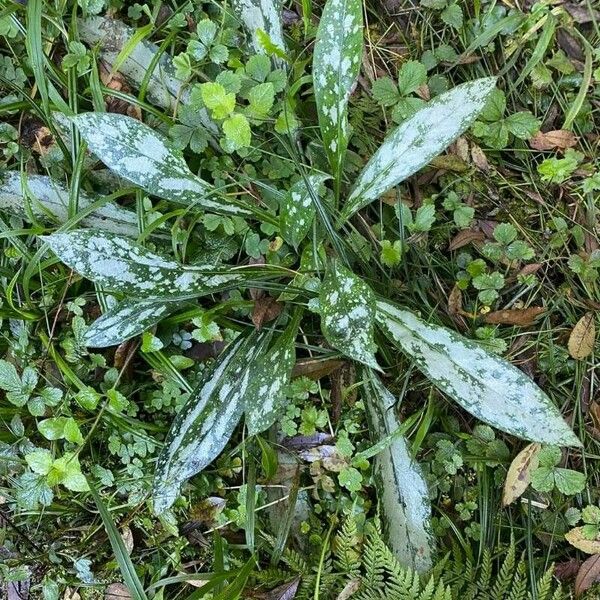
x: 515, y: 316
x: 551, y: 140
x: 117, y: 591
x: 582, y: 338
x: 349, y: 589
x: 464, y: 237
x: 576, y: 538
x: 594, y: 411
x: 287, y: 591
x: 316, y: 368
x: 265, y: 309
x: 455, y: 301
x: 479, y: 158
x: 127, y: 537
x: 588, y: 574
x: 519, y: 473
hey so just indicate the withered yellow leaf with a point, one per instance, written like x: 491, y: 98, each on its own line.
x: 519, y: 473
x: 575, y: 538
x: 582, y: 338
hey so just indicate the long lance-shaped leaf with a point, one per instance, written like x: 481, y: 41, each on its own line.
x: 204, y: 425
x: 266, y: 397
x: 403, y: 494
x: 336, y: 63
x: 146, y: 158
x: 418, y: 140
x: 484, y: 384
x: 119, y: 265
x: 347, y: 307
x: 126, y: 320
x: 261, y: 15
x: 51, y: 201
x: 163, y: 89
x: 297, y: 208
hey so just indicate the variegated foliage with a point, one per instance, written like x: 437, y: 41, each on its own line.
x: 36, y: 197
x: 336, y: 63
x: 261, y: 16
x: 402, y: 490
x: 484, y: 384
x: 248, y: 377
x: 146, y: 158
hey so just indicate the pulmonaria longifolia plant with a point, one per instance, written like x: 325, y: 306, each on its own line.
x: 248, y: 380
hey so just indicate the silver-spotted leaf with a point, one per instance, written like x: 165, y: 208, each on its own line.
x: 265, y: 400
x: 484, y: 384
x: 348, y: 308
x: 336, y: 63
x: 120, y: 265
x: 261, y: 16
x: 298, y: 209
x: 145, y: 157
x: 418, y: 140
x: 45, y: 199
x: 204, y: 425
x: 403, y: 494
x: 126, y: 320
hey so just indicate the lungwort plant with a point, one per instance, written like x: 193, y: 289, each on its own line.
x: 315, y: 218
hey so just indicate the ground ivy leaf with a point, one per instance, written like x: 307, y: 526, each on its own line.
x: 126, y: 320
x: 418, y: 140
x: 298, y: 209
x: 336, y: 63
x: 484, y: 384
x: 49, y: 199
x: 204, y: 425
x: 141, y: 155
x: 119, y: 265
x: 271, y: 373
x: 348, y: 309
x: 403, y: 493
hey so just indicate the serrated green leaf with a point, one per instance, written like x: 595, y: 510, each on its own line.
x: 261, y: 16
x: 298, y: 209
x: 403, y: 493
x: 145, y: 157
x: 417, y: 141
x: 348, y: 307
x: 120, y: 265
x: 485, y: 385
x: 48, y: 199
x: 126, y: 320
x: 39, y: 461
x: 204, y: 425
x: 265, y: 399
x: 411, y: 77
x: 336, y: 63
x: 237, y: 132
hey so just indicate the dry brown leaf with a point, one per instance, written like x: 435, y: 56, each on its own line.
x: 127, y: 537
x: 265, y: 310
x: 464, y: 237
x: 287, y: 591
x: 519, y: 473
x: 515, y: 316
x: 449, y: 162
x: 583, y: 337
x: 479, y: 158
x: 551, y: 140
x: 588, y: 574
x: 455, y: 301
x: 594, y: 411
x: 316, y: 368
x: 575, y: 538
x: 349, y: 589
x: 461, y: 149
x: 530, y: 269
x: 117, y: 591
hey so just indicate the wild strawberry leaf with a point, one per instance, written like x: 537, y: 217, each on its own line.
x: 336, y: 63
x: 418, y: 140
x: 126, y: 320
x: 145, y: 157
x: 298, y: 209
x: 45, y: 199
x: 120, y: 265
x: 271, y: 373
x: 403, y: 493
x: 348, y: 308
x: 484, y: 384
